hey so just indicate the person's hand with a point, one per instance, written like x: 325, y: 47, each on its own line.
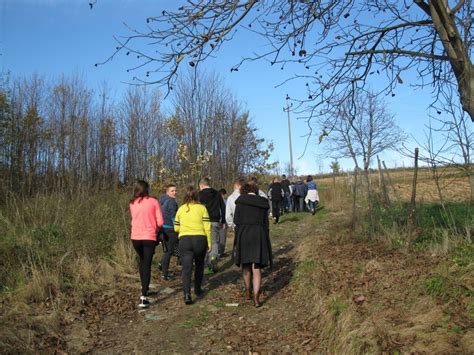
x: 224, y: 225
x: 209, y: 249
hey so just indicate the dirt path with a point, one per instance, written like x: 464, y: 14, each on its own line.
x: 109, y: 321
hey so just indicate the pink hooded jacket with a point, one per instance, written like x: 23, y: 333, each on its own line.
x: 146, y: 218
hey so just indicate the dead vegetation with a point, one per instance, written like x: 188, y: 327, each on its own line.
x: 367, y: 298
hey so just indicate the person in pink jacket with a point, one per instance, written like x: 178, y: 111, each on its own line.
x: 146, y: 220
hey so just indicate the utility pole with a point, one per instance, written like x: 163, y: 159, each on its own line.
x: 289, y: 134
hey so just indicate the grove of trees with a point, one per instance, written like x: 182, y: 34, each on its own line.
x: 60, y: 135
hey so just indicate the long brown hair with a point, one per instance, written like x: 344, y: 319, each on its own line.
x: 191, y: 196
x: 140, y: 190
x: 248, y: 188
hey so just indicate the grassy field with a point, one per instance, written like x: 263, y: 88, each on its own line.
x: 360, y: 294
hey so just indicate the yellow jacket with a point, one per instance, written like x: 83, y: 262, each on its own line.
x: 193, y: 219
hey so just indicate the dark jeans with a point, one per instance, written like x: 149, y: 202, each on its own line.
x: 298, y: 203
x: 222, y: 240
x: 171, y: 238
x: 287, y: 202
x: 276, y: 207
x: 192, y: 248
x: 145, y: 250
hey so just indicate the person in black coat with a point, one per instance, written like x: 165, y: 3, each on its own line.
x: 276, y: 195
x: 252, y: 247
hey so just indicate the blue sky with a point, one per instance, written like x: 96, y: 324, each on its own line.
x: 55, y: 37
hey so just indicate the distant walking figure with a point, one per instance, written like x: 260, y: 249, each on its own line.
x: 194, y: 228
x: 312, y: 196
x: 230, y: 204
x: 169, y: 208
x: 276, y: 195
x: 285, y: 184
x: 147, y: 218
x: 252, y: 247
x: 212, y: 199
x: 223, y: 230
x: 299, y: 194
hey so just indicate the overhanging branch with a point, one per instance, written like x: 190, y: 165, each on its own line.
x: 401, y: 52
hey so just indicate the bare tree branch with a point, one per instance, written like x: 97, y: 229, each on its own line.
x: 339, y: 43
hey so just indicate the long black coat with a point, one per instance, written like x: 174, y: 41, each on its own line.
x: 252, y: 237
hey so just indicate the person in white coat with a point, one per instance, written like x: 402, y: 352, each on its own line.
x: 230, y: 205
x: 312, y: 196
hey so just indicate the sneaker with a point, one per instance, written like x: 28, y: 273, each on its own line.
x: 160, y: 267
x: 167, y: 277
x: 198, y: 292
x: 144, y: 303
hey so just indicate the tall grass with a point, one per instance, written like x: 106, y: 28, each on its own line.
x: 438, y: 228
x: 51, y: 244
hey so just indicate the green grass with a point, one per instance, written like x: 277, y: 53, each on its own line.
x: 446, y: 288
x: 198, y: 320
x: 463, y: 255
x: 337, y: 306
x: 431, y: 220
x: 304, y: 270
x: 457, y: 329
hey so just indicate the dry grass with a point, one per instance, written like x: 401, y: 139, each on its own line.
x: 455, y: 186
x: 403, y: 309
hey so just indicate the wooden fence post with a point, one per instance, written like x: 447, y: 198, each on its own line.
x: 411, y: 212
x: 395, y: 192
x: 383, y: 186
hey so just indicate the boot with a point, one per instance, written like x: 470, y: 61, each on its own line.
x: 187, y: 298
x: 256, y: 301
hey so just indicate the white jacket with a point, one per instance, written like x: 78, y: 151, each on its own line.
x: 230, y: 208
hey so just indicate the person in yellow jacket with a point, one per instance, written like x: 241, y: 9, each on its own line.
x: 193, y: 226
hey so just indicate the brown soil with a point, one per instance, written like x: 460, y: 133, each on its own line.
x: 360, y: 297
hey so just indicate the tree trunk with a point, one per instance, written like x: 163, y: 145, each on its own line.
x: 455, y: 48
x: 354, y: 198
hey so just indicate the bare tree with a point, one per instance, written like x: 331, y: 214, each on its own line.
x: 216, y: 133
x: 370, y: 132
x: 142, y: 122
x: 339, y: 44
x: 361, y: 137
x: 62, y: 136
x: 460, y: 137
x: 448, y: 145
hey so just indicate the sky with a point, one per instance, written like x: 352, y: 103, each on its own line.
x: 65, y: 37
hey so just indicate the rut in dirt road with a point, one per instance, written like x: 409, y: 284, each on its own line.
x: 222, y: 320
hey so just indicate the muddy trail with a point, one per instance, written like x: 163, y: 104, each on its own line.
x: 220, y: 321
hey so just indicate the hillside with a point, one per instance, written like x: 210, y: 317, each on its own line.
x: 329, y: 291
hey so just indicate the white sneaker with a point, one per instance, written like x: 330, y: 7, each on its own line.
x: 144, y: 303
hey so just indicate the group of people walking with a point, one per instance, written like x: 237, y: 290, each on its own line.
x: 286, y: 196
x: 197, y: 229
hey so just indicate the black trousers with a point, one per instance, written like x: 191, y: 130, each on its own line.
x: 192, y: 248
x: 171, y: 238
x: 145, y: 250
x: 276, y: 208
